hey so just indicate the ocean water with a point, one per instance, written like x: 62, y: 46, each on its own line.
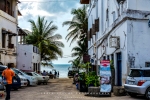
x: 62, y: 68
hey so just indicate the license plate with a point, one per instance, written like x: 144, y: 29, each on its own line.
x: 131, y: 83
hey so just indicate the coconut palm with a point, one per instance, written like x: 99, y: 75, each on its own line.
x: 78, y: 26
x: 75, y: 63
x: 44, y: 38
x: 79, y: 50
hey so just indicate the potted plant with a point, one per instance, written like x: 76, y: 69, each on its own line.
x: 92, y: 79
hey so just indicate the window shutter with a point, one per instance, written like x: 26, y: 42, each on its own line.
x: 90, y: 32
x: 93, y: 29
x: 97, y: 25
x: 89, y: 36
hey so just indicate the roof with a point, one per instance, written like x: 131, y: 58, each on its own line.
x: 21, y: 31
x: 19, y: 13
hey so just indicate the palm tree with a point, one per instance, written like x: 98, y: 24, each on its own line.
x: 79, y: 50
x: 75, y: 63
x: 44, y: 38
x: 78, y: 26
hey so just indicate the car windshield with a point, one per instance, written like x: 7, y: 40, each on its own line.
x: 139, y: 73
x: 37, y: 74
x: 29, y: 74
x: 18, y: 71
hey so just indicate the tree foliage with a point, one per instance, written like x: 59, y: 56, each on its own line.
x: 43, y: 37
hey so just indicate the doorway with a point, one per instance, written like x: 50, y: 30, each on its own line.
x: 119, y: 69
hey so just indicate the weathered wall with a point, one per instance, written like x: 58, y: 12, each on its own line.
x: 26, y: 57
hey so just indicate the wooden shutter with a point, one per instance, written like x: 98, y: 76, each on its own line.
x: 93, y: 29
x: 89, y: 36
x: 90, y: 32
x: 97, y: 25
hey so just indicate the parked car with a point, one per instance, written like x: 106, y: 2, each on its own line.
x: 40, y: 78
x: 24, y: 81
x: 138, y: 82
x: 30, y: 79
x: 16, y: 82
x: 1, y: 85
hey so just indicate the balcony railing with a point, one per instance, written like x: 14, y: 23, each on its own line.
x: 10, y: 45
x: 8, y: 11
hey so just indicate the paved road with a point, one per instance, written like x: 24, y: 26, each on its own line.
x: 59, y: 89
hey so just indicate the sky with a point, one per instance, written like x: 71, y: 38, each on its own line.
x: 57, y: 11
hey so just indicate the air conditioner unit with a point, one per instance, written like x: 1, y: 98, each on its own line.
x: 114, y: 42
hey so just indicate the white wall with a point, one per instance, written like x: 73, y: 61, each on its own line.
x: 143, y: 5
x: 8, y: 23
x: 138, y: 40
x: 27, y: 59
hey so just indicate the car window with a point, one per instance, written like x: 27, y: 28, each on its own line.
x: 147, y: 73
x: 37, y: 74
x: 136, y: 73
x: 30, y: 74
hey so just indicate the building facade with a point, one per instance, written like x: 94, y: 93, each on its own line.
x: 28, y: 58
x: 8, y: 31
x: 118, y: 30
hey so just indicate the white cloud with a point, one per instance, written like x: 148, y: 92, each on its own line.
x: 32, y: 10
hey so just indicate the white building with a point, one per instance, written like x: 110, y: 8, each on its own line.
x: 8, y: 31
x: 28, y: 58
x: 119, y: 31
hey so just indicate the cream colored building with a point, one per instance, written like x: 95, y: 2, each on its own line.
x: 8, y: 31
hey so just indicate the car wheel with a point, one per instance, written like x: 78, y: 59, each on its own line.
x: 147, y: 94
x: 132, y: 94
x: 28, y: 83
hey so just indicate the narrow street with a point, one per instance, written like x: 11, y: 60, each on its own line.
x: 58, y: 89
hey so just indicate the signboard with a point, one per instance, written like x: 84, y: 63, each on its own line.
x: 105, y: 76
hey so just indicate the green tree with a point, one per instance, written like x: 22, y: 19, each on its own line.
x: 78, y: 26
x: 79, y: 50
x: 43, y: 37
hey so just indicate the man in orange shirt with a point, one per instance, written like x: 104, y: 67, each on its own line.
x: 8, y: 74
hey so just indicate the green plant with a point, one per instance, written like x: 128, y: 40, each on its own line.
x: 112, y: 64
x: 85, y: 66
x: 91, y: 79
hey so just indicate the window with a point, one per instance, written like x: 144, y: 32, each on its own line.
x: 147, y: 73
x: 3, y: 38
x: 9, y: 41
x: 112, y: 57
x: 30, y: 74
x: 108, y: 57
x: 136, y: 73
x: 6, y: 6
x: 104, y: 57
x: 114, y: 15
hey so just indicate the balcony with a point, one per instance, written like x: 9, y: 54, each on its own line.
x: 8, y: 10
x: 84, y: 1
x: 10, y: 45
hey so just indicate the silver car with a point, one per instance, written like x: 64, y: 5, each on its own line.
x: 138, y: 82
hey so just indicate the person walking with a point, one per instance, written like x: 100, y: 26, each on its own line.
x: 8, y: 74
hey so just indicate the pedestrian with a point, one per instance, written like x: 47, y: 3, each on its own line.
x: 44, y: 73
x: 50, y: 72
x: 55, y: 74
x: 8, y: 74
x: 58, y: 73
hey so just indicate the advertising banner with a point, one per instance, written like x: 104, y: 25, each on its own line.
x: 105, y: 76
